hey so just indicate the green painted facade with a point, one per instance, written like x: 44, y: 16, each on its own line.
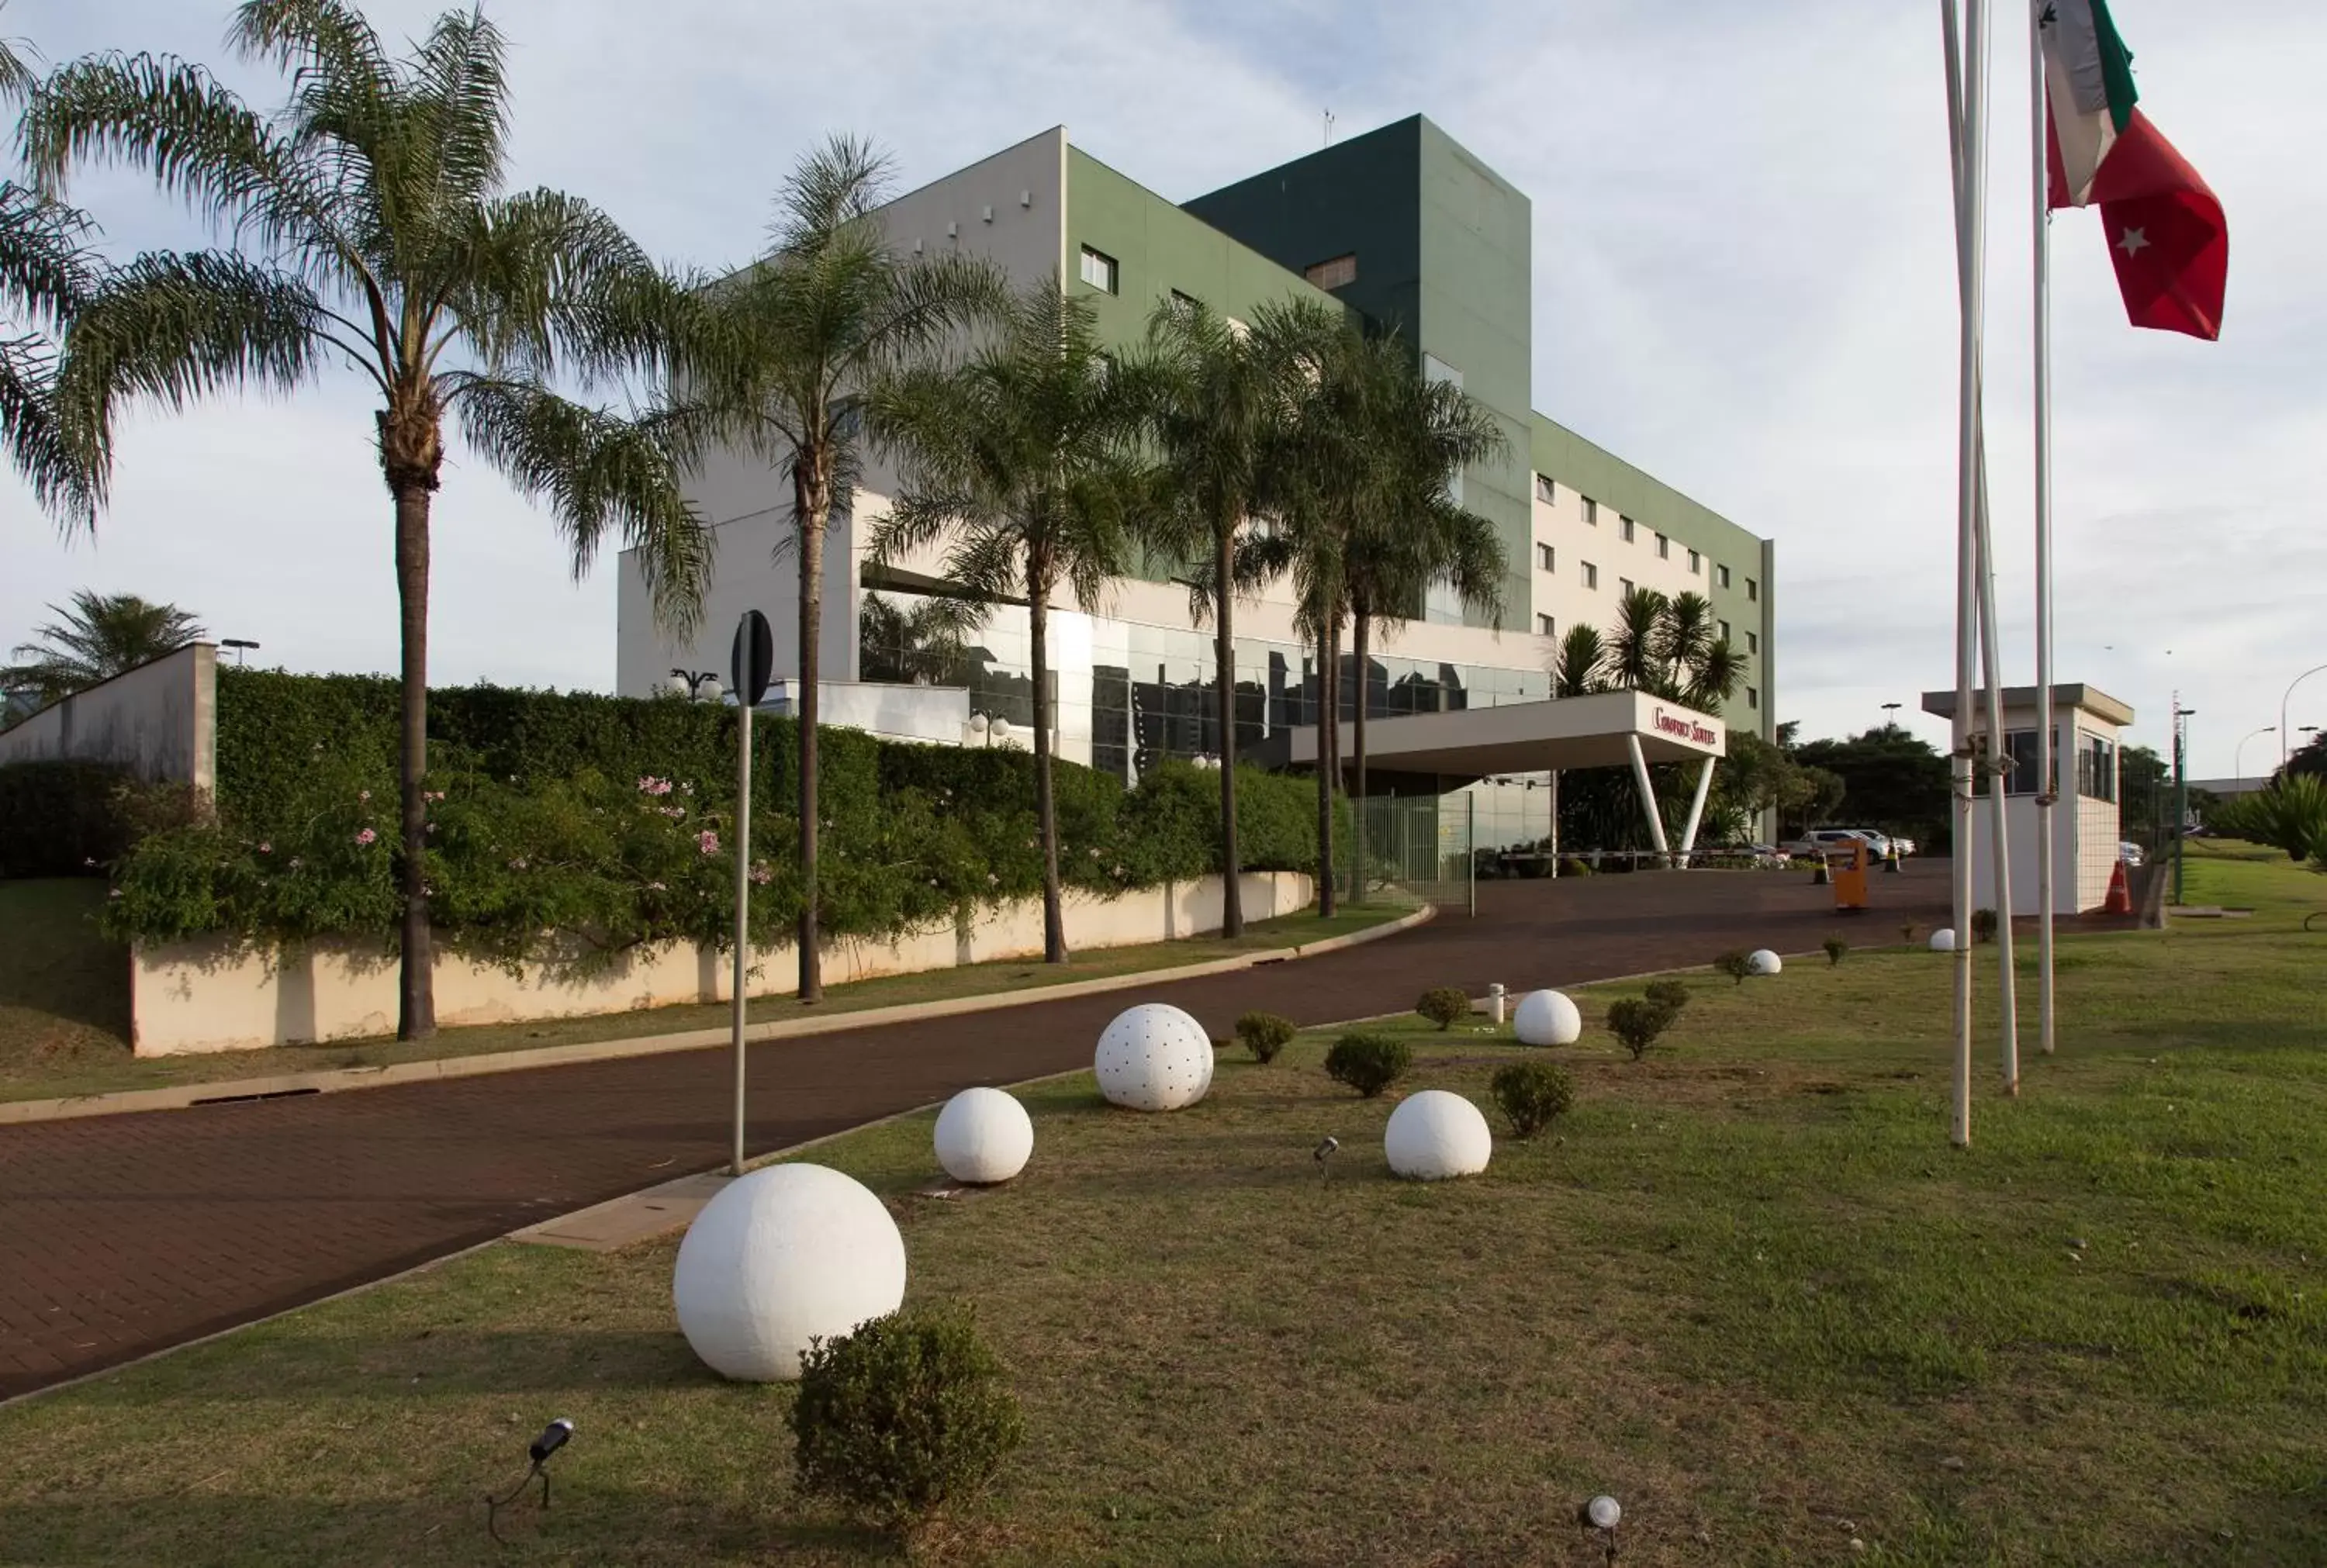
x: 1442, y: 248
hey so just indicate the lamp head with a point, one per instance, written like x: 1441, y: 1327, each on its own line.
x: 553, y: 1437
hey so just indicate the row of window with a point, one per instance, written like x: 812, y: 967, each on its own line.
x: 2095, y: 765
x: 1546, y: 491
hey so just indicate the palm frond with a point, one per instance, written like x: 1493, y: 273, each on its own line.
x: 832, y: 187
x: 47, y: 268
x: 600, y: 473
x: 35, y: 444
x: 172, y: 327
x: 548, y: 281
x: 1580, y: 666
x: 16, y: 78
x: 460, y: 95
x: 100, y: 636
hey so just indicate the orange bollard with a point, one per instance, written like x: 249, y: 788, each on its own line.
x: 2119, y: 900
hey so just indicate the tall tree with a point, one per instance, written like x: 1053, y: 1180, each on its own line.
x: 101, y: 636
x: 1217, y: 406
x: 1669, y: 648
x: 1579, y: 665
x: 1025, y: 463
x: 1409, y: 533
x: 780, y: 361
x: 46, y: 271
x: 376, y: 231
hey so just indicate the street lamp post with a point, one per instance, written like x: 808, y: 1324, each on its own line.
x: 1890, y: 713
x: 2180, y: 789
x: 2297, y: 681
x: 238, y: 644
x: 2240, y: 765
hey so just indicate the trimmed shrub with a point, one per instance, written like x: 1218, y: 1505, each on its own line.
x: 1444, y: 1006
x: 1265, y: 1034
x: 1735, y: 963
x: 1368, y: 1063
x: 907, y: 1413
x: 1671, y: 994
x: 1836, y: 951
x: 1531, y: 1093
x: 1983, y: 925
x: 570, y: 827
x: 1635, y: 1022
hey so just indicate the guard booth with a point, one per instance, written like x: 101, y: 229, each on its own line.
x: 2086, y: 832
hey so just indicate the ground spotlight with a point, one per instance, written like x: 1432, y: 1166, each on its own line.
x: 554, y: 1436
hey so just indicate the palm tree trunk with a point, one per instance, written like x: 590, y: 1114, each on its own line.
x: 1046, y: 815
x: 1364, y: 621
x: 812, y: 500
x: 1223, y: 620
x: 415, y: 998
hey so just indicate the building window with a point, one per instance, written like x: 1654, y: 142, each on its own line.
x: 1591, y: 575
x: 1543, y: 626
x: 1546, y: 557
x: 1337, y: 272
x: 1752, y: 696
x: 2095, y: 766
x: 1724, y: 574
x: 1753, y: 642
x: 1696, y: 563
x: 1186, y: 303
x: 1725, y: 630
x: 1098, y: 269
x: 1664, y: 549
x: 1590, y: 511
x: 1626, y: 523
x: 1545, y: 490
x: 2020, y: 746
x: 1624, y: 584
x: 1752, y: 589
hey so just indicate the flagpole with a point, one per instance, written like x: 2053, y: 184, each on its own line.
x: 1966, y: 122
x: 1999, y: 836
x: 2047, y: 790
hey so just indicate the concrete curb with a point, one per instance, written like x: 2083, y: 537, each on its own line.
x: 337, y: 1080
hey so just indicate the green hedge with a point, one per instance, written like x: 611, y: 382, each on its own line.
x: 77, y: 818
x: 580, y: 825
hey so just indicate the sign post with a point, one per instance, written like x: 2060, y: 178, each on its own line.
x: 750, y: 666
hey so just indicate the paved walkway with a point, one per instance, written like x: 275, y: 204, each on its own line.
x: 122, y: 1234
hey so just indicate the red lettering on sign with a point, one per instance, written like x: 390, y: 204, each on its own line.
x: 1685, y: 729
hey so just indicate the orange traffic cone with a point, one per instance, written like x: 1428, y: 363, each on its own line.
x: 2119, y: 900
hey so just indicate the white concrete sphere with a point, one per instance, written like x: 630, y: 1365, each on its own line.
x: 983, y: 1136
x: 1547, y: 1018
x: 781, y: 1256
x: 1153, y: 1057
x: 1762, y: 961
x: 1435, y: 1134
x: 1943, y: 940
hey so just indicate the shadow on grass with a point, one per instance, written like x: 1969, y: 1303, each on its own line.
x: 584, y: 1520
x: 53, y: 961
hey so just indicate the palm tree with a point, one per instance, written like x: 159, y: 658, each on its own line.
x: 1410, y: 531
x: 1667, y: 648
x: 1217, y: 404
x: 102, y: 636
x: 1579, y: 667
x: 46, y: 271
x: 375, y: 230
x: 781, y: 359
x: 1025, y: 461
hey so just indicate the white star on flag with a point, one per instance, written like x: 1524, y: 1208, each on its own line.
x: 2133, y: 242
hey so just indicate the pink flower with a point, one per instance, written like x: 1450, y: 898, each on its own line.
x: 367, y: 836
x: 264, y: 848
x: 363, y: 794
x: 651, y: 785
x: 707, y: 842
x: 518, y: 864
x: 657, y: 888
x: 294, y: 862
x: 761, y: 873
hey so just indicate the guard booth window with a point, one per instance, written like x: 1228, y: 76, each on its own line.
x: 2095, y: 766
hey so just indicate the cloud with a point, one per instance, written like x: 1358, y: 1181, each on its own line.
x: 1743, y: 273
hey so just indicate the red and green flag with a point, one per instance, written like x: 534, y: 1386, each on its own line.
x: 2166, y: 234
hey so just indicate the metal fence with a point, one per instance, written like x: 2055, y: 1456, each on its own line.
x: 1421, y: 845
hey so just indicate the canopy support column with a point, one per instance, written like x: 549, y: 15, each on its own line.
x: 1696, y: 809
x: 1647, y: 796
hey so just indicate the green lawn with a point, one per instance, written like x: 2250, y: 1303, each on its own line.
x: 1746, y: 1287
x: 64, y: 1000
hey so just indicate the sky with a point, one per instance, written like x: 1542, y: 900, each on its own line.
x: 1744, y: 284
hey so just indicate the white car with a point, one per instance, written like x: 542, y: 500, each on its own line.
x: 1819, y: 840
x: 2131, y: 853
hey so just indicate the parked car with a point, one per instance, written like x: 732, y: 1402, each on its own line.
x: 1876, y: 837
x: 1904, y: 845
x: 1819, y: 840
x: 2131, y: 853
x: 1762, y: 856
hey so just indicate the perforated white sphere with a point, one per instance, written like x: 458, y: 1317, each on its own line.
x: 983, y: 1136
x: 1761, y: 961
x: 781, y: 1256
x: 1435, y: 1134
x: 1153, y: 1057
x: 1943, y: 940
x: 1547, y: 1018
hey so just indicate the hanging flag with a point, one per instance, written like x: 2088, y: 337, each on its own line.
x: 2089, y: 84
x: 2166, y: 235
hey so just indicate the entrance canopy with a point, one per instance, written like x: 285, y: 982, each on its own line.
x: 1601, y: 731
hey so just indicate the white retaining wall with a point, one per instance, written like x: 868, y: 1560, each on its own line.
x: 204, y: 995
x: 157, y: 721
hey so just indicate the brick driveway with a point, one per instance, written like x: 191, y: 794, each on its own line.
x: 123, y: 1234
